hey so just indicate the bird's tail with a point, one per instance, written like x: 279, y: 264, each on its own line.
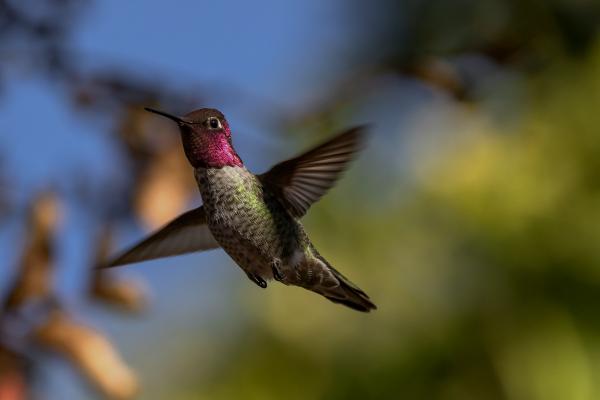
x: 346, y: 292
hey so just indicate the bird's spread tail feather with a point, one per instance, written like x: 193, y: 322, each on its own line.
x: 346, y: 293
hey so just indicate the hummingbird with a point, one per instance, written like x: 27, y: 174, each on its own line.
x: 256, y: 218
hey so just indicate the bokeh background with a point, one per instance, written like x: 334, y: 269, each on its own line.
x: 472, y: 219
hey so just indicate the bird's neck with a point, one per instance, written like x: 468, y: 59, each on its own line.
x: 212, y: 151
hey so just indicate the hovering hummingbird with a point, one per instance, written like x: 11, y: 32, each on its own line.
x: 255, y: 218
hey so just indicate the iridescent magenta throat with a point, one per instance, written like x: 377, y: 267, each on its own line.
x: 208, y: 149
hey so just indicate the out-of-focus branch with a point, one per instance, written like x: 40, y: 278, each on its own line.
x: 34, y: 278
x: 127, y: 295
x: 90, y: 352
x: 165, y: 188
x: 14, y: 375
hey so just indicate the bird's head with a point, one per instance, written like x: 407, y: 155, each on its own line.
x: 206, y: 138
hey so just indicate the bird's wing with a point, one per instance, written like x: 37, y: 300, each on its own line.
x: 303, y: 180
x: 185, y: 234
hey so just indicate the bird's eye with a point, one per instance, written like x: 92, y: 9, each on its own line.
x: 213, y: 123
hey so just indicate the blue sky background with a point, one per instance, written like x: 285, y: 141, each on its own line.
x: 259, y: 58
x: 266, y: 51
x: 253, y: 60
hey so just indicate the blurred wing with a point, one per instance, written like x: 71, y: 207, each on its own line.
x: 185, y: 234
x: 303, y: 180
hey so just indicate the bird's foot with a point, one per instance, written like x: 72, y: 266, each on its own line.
x: 258, y: 280
x: 278, y: 274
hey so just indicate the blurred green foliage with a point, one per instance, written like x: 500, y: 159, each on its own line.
x: 486, y: 274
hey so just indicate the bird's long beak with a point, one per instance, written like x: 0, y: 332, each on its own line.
x: 179, y: 120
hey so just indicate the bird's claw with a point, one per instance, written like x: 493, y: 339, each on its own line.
x: 258, y: 280
x: 278, y: 274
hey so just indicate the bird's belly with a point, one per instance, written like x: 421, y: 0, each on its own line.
x: 254, y: 241
x: 246, y: 254
x: 248, y: 224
